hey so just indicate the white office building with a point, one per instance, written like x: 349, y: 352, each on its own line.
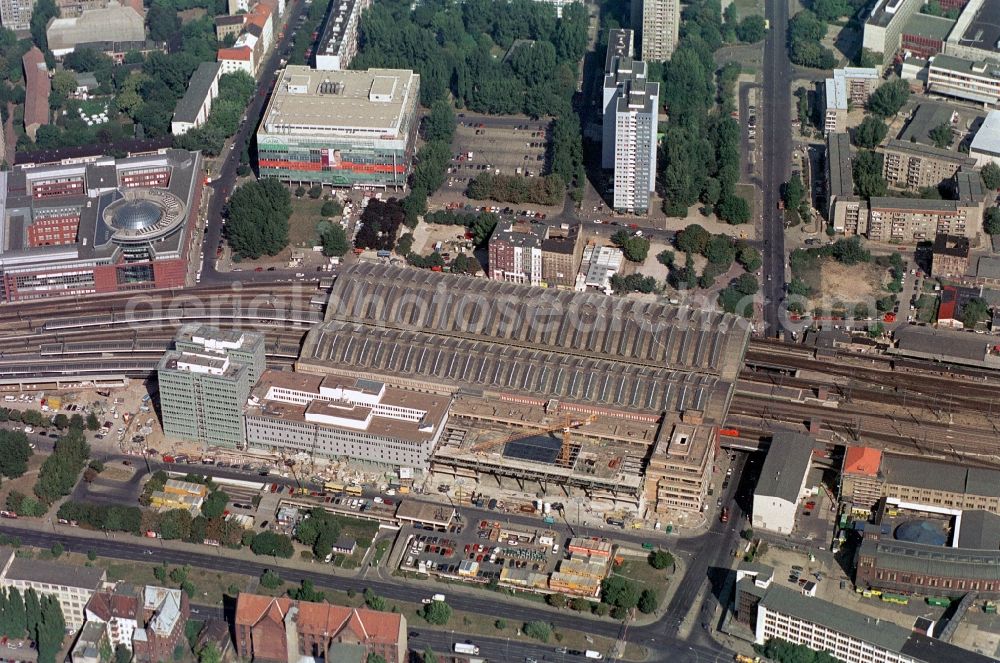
x: 782, y: 482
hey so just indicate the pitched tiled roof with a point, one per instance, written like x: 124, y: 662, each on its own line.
x: 234, y: 54
x: 366, y: 625
x: 111, y: 605
x: 862, y: 460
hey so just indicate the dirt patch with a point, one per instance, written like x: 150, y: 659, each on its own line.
x: 849, y: 283
x: 189, y: 15
x: 117, y: 473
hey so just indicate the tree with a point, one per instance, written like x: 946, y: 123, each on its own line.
x: 162, y: 21
x: 792, y: 192
x: 734, y: 210
x: 315, y: 191
x: 867, y: 171
x: 215, y: 504
x: 306, y: 591
x: 175, y: 524
x: 270, y: 580
x: 538, y: 630
x: 440, y: 122
x: 556, y: 600
x: 61, y: 469
x: 50, y: 629
x: 375, y: 658
x: 751, y: 29
x: 889, y: 98
x: 749, y: 258
x: 258, y: 214
x: 209, y: 654
x: 648, y: 601
x: 331, y: 208
x: 122, y: 653
x: 43, y: 11
x: 57, y: 550
x: 693, y: 239
x: 333, y: 239
x: 271, y: 543
x: 15, y: 451
x: 975, y: 311
x: 619, y: 592
x: 635, y: 247
x: 665, y: 258
x: 991, y: 221
x: 660, y: 559
x: 374, y: 601
x: 93, y: 423
x: 991, y: 176
x: 805, y: 33
x: 436, y: 612
x: 870, y: 132
x: 849, y: 251
x: 746, y: 284
x: 429, y: 656
x: 941, y: 135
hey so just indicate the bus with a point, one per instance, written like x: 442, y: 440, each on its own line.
x: 332, y: 487
x: 353, y: 490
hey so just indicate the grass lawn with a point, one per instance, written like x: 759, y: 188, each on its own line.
x: 646, y: 577
x: 302, y: 224
x: 380, y: 549
x: 927, y: 308
x: 748, y: 7
x: 354, y: 528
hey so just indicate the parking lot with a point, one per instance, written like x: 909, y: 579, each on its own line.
x: 486, y: 547
x: 505, y: 145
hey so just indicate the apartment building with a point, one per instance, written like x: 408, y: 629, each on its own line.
x: 535, y: 253
x: 16, y: 14
x: 972, y: 80
x: 848, y: 88
x: 283, y: 630
x: 71, y: 585
x: 847, y: 212
x: 911, y: 220
x: 631, y: 113
x: 909, y: 165
x: 782, y: 482
x: 339, y: 42
x: 335, y: 417
x: 193, y: 108
x: 661, y: 21
x: 950, y: 256
x: 149, y: 621
x: 205, y: 382
x: 679, y: 471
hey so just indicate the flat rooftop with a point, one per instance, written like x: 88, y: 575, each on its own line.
x: 341, y: 102
x: 841, y: 181
x: 336, y: 26
x: 931, y: 27
x: 987, y: 139
x: 984, y: 30
x: 434, y: 405
x: 927, y: 116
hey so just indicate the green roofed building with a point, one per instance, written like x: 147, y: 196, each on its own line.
x: 205, y: 382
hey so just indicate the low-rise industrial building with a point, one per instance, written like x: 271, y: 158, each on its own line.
x: 985, y: 146
x: 335, y: 417
x: 597, y: 266
x: 909, y: 165
x: 340, y: 128
x: 37, y: 88
x: 944, y: 345
x: 71, y: 585
x: 178, y: 494
x: 782, y: 482
x: 193, y: 108
x: 99, y: 225
x: 114, y: 22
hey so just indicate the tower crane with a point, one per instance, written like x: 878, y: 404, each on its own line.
x: 566, y: 425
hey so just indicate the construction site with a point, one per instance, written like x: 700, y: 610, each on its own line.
x: 554, y: 394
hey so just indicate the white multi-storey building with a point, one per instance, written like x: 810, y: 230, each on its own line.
x: 661, y: 21
x: 631, y: 112
x: 71, y: 585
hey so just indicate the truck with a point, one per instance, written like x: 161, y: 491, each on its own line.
x: 590, y: 653
x: 466, y: 648
x: 548, y: 520
x: 724, y: 516
x: 438, y: 597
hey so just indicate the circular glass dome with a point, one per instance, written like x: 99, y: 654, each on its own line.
x: 136, y: 215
